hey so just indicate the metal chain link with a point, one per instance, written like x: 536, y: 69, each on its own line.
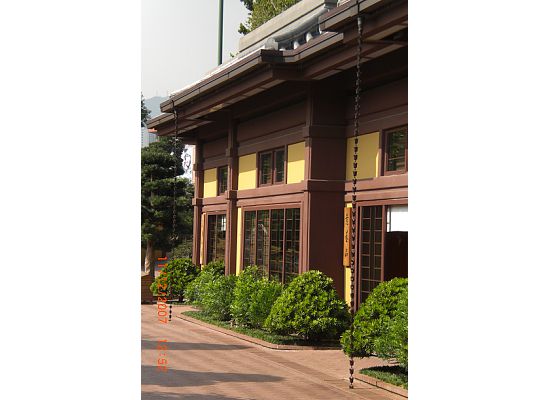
x: 174, y: 204
x: 354, y: 186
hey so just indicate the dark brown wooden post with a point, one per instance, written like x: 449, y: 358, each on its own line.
x: 325, y: 169
x: 231, y: 196
x: 197, y: 202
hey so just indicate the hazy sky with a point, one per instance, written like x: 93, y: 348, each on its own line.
x: 180, y: 41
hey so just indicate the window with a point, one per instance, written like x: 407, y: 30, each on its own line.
x: 383, y: 245
x: 272, y: 167
x: 272, y: 242
x: 222, y: 180
x: 396, y: 149
x: 215, y: 247
x: 370, y: 260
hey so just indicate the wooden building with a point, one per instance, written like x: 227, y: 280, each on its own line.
x: 273, y: 130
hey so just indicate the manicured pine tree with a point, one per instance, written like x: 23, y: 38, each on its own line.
x: 157, y: 180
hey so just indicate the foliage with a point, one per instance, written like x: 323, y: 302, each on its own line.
x: 145, y: 112
x: 254, y: 297
x: 394, y: 374
x: 176, y: 276
x: 216, y: 267
x: 377, y: 317
x: 309, y: 306
x: 196, y: 289
x: 256, y: 332
x: 217, y: 296
x: 262, y: 11
x: 395, y: 343
x: 157, y: 180
x: 184, y: 249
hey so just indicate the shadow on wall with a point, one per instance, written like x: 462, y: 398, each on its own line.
x: 152, y: 345
x: 191, y: 396
x: 150, y: 375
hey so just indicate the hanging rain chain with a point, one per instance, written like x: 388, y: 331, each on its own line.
x: 354, y: 187
x: 174, y: 203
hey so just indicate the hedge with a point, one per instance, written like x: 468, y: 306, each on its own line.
x: 177, y: 274
x: 254, y: 297
x: 309, y: 307
x: 380, y: 325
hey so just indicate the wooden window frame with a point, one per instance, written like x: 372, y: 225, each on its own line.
x: 218, y: 174
x: 274, y: 170
x: 359, y: 239
x: 285, y: 207
x: 385, y: 140
x: 207, y: 234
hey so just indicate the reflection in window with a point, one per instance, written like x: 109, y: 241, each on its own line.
x: 215, y: 249
x: 272, y: 242
x: 396, y: 150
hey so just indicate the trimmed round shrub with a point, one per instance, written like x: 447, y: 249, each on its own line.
x: 309, y: 307
x: 396, y: 344
x: 217, y: 296
x: 195, y: 290
x: 381, y: 314
x: 254, y: 296
x: 177, y: 274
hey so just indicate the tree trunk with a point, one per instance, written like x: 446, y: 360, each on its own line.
x: 149, y: 259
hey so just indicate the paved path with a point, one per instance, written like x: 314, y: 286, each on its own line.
x: 205, y: 364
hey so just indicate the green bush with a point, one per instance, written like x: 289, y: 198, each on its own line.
x: 254, y: 296
x: 175, y: 277
x: 183, y: 250
x: 195, y: 290
x: 395, y: 345
x: 379, y: 323
x: 217, y: 296
x: 216, y: 267
x: 310, y: 307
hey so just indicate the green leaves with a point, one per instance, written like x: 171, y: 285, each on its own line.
x: 262, y: 11
x: 157, y: 180
x: 196, y: 290
x: 380, y: 325
x: 178, y: 274
x: 309, y: 307
x: 218, y: 295
x: 254, y: 297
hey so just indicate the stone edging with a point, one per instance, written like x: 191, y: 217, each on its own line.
x: 382, y: 385
x: 252, y: 339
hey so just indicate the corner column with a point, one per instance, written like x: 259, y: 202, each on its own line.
x: 197, y: 202
x: 231, y: 196
x: 324, y: 135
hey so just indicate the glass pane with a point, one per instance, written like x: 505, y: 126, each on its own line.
x: 222, y: 179
x: 265, y: 168
x: 211, y: 237
x: 371, y: 249
x: 262, y: 239
x: 292, y: 243
x: 220, y: 237
x: 397, y: 144
x: 276, y: 250
x: 279, y: 166
x: 249, y: 238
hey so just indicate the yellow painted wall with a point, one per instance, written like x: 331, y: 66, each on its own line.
x: 347, y: 284
x: 367, y: 157
x: 247, y: 172
x: 210, y: 183
x: 239, y: 232
x: 347, y: 274
x: 296, y: 162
